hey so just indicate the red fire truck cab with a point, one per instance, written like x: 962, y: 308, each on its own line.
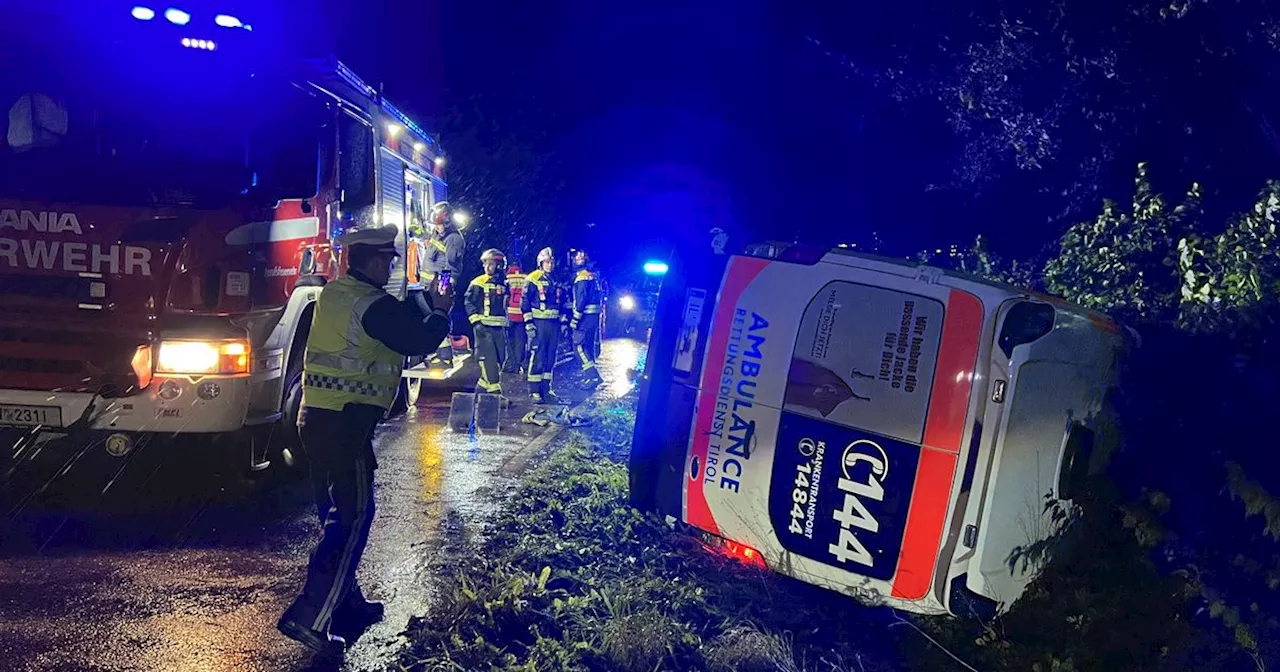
x: 168, y: 203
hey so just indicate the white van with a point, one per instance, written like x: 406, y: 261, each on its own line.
x: 891, y: 431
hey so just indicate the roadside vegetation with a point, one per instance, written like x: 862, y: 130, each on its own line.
x: 569, y: 577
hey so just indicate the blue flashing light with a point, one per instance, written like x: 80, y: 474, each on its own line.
x: 227, y: 21
x: 143, y: 13
x: 408, y: 123
x: 177, y: 16
x: 655, y: 268
x: 189, y: 43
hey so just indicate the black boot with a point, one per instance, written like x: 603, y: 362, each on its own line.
x: 325, y: 644
x: 351, y: 621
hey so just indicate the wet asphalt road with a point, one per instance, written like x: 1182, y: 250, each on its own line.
x: 176, y: 569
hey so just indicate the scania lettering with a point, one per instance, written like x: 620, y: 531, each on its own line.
x: 894, y: 434
x: 167, y: 218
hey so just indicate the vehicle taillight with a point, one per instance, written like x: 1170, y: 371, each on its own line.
x: 732, y: 549
x: 142, y: 366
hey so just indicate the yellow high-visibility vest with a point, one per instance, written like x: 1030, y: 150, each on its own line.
x: 343, y: 364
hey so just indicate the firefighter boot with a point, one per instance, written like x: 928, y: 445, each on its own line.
x: 325, y: 644
x: 353, y: 618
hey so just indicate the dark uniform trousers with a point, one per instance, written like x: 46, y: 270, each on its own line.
x: 586, y: 340
x: 542, y: 359
x: 517, y: 341
x: 491, y: 350
x: 340, y: 448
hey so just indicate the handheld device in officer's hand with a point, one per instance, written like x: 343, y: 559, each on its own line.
x: 444, y: 282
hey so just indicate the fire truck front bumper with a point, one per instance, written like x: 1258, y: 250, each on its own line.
x: 169, y: 405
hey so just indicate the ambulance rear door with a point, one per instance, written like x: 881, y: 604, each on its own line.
x: 818, y: 386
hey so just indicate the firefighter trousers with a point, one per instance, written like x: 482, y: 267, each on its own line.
x: 517, y: 341
x: 491, y: 350
x: 586, y: 342
x: 542, y: 355
x: 339, y: 445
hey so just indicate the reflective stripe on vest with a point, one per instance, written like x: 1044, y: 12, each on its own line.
x: 487, y: 316
x: 343, y: 364
x: 542, y: 309
x: 342, y: 385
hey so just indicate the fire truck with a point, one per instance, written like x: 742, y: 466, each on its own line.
x: 169, y: 200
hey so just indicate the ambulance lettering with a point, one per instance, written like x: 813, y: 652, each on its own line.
x: 865, y: 467
x: 733, y: 431
x: 60, y: 255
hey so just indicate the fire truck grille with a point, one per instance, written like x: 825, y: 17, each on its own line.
x: 43, y: 287
x: 67, y: 361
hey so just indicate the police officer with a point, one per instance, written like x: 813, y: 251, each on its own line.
x: 486, y: 304
x: 359, y: 338
x: 445, y: 255
x: 586, y: 317
x: 542, y: 326
x: 516, y: 338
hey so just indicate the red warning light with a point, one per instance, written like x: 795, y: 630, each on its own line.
x: 740, y: 552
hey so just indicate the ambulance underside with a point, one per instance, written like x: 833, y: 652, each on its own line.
x: 829, y: 415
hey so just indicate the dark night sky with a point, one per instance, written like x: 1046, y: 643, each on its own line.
x: 673, y: 116
x: 670, y: 117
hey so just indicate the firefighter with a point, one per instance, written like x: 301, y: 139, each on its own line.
x: 585, y: 324
x: 542, y: 326
x: 486, y: 305
x: 359, y: 338
x: 516, y: 338
x: 445, y: 255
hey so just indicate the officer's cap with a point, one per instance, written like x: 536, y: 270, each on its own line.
x: 380, y: 238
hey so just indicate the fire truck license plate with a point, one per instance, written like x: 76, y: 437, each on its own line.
x: 30, y: 416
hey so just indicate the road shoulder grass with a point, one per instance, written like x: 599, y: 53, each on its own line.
x: 569, y: 577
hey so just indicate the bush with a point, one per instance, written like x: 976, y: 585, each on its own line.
x: 1196, y: 400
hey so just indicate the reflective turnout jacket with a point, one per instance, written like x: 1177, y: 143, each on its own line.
x: 539, y: 300
x: 515, y: 296
x: 486, y: 301
x: 586, y: 293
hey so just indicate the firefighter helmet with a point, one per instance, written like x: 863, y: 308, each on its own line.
x: 440, y: 213
x: 546, y: 255
x: 493, y: 253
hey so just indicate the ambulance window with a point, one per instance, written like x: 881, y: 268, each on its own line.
x: 1024, y: 323
x: 864, y: 357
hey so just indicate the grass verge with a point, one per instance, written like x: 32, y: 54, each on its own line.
x: 569, y: 577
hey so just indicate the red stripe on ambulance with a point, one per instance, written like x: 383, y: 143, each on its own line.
x: 737, y: 278
x: 943, y: 434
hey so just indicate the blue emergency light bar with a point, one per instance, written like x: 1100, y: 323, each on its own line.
x: 354, y: 80
x: 655, y: 268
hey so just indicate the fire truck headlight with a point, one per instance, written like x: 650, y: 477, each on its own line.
x: 203, y: 357
x: 627, y: 303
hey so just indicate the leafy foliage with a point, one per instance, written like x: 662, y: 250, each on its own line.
x: 1122, y: 261
x: 1206, y: 304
